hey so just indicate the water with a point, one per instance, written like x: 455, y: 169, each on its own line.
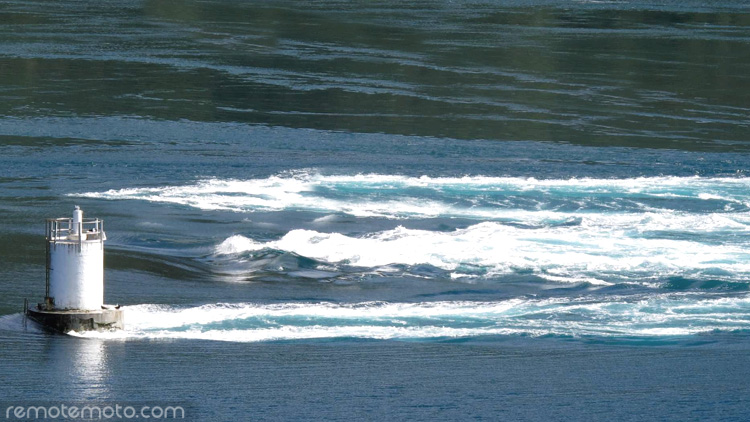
x: 529, y: 210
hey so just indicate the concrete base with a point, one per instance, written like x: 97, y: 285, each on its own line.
x: 65, y: 321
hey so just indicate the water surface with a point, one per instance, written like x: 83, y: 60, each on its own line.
x: 437, y: 210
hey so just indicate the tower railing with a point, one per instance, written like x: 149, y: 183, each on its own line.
x: 66, y: 230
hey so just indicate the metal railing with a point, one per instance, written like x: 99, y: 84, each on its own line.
x: 65, y: 230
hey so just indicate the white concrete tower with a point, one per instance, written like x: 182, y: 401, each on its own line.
x: 75, y: 263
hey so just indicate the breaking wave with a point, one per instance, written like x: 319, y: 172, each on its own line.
x: 478, y: 197
x: 594, y: 230
x: 580, y: 253
x: 655, y: 316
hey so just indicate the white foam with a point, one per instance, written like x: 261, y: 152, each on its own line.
x: 312, y: 332
x: 572, y: 254
x: 653, y: 316
x: 416, y: 197
x: 590, y: 241
x: 237, y: 244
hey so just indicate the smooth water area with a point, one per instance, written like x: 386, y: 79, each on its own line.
x: 526, y: 210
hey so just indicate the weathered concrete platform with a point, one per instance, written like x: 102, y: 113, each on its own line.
x: 65, y: 321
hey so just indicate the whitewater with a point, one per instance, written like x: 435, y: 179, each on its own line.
x: 476, y: 197
x: 617, y: 317
x: 532, y: 210
x: 659, y: 257
x: 645, y: 231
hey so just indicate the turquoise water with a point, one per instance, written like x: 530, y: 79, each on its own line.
x: 443, y: 210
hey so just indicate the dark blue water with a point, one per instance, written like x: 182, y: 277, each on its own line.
x: 528, y: 210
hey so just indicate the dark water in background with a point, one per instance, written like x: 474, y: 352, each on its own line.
x: 530, y: 210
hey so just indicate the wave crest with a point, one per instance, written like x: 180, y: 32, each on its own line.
x: 614, y: 317
x: 478, y: 197
x: 489, y: 249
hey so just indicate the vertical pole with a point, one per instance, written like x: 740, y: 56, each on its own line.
x: 48, y: 236
x: 25, y: 312
x: 100, y: 228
